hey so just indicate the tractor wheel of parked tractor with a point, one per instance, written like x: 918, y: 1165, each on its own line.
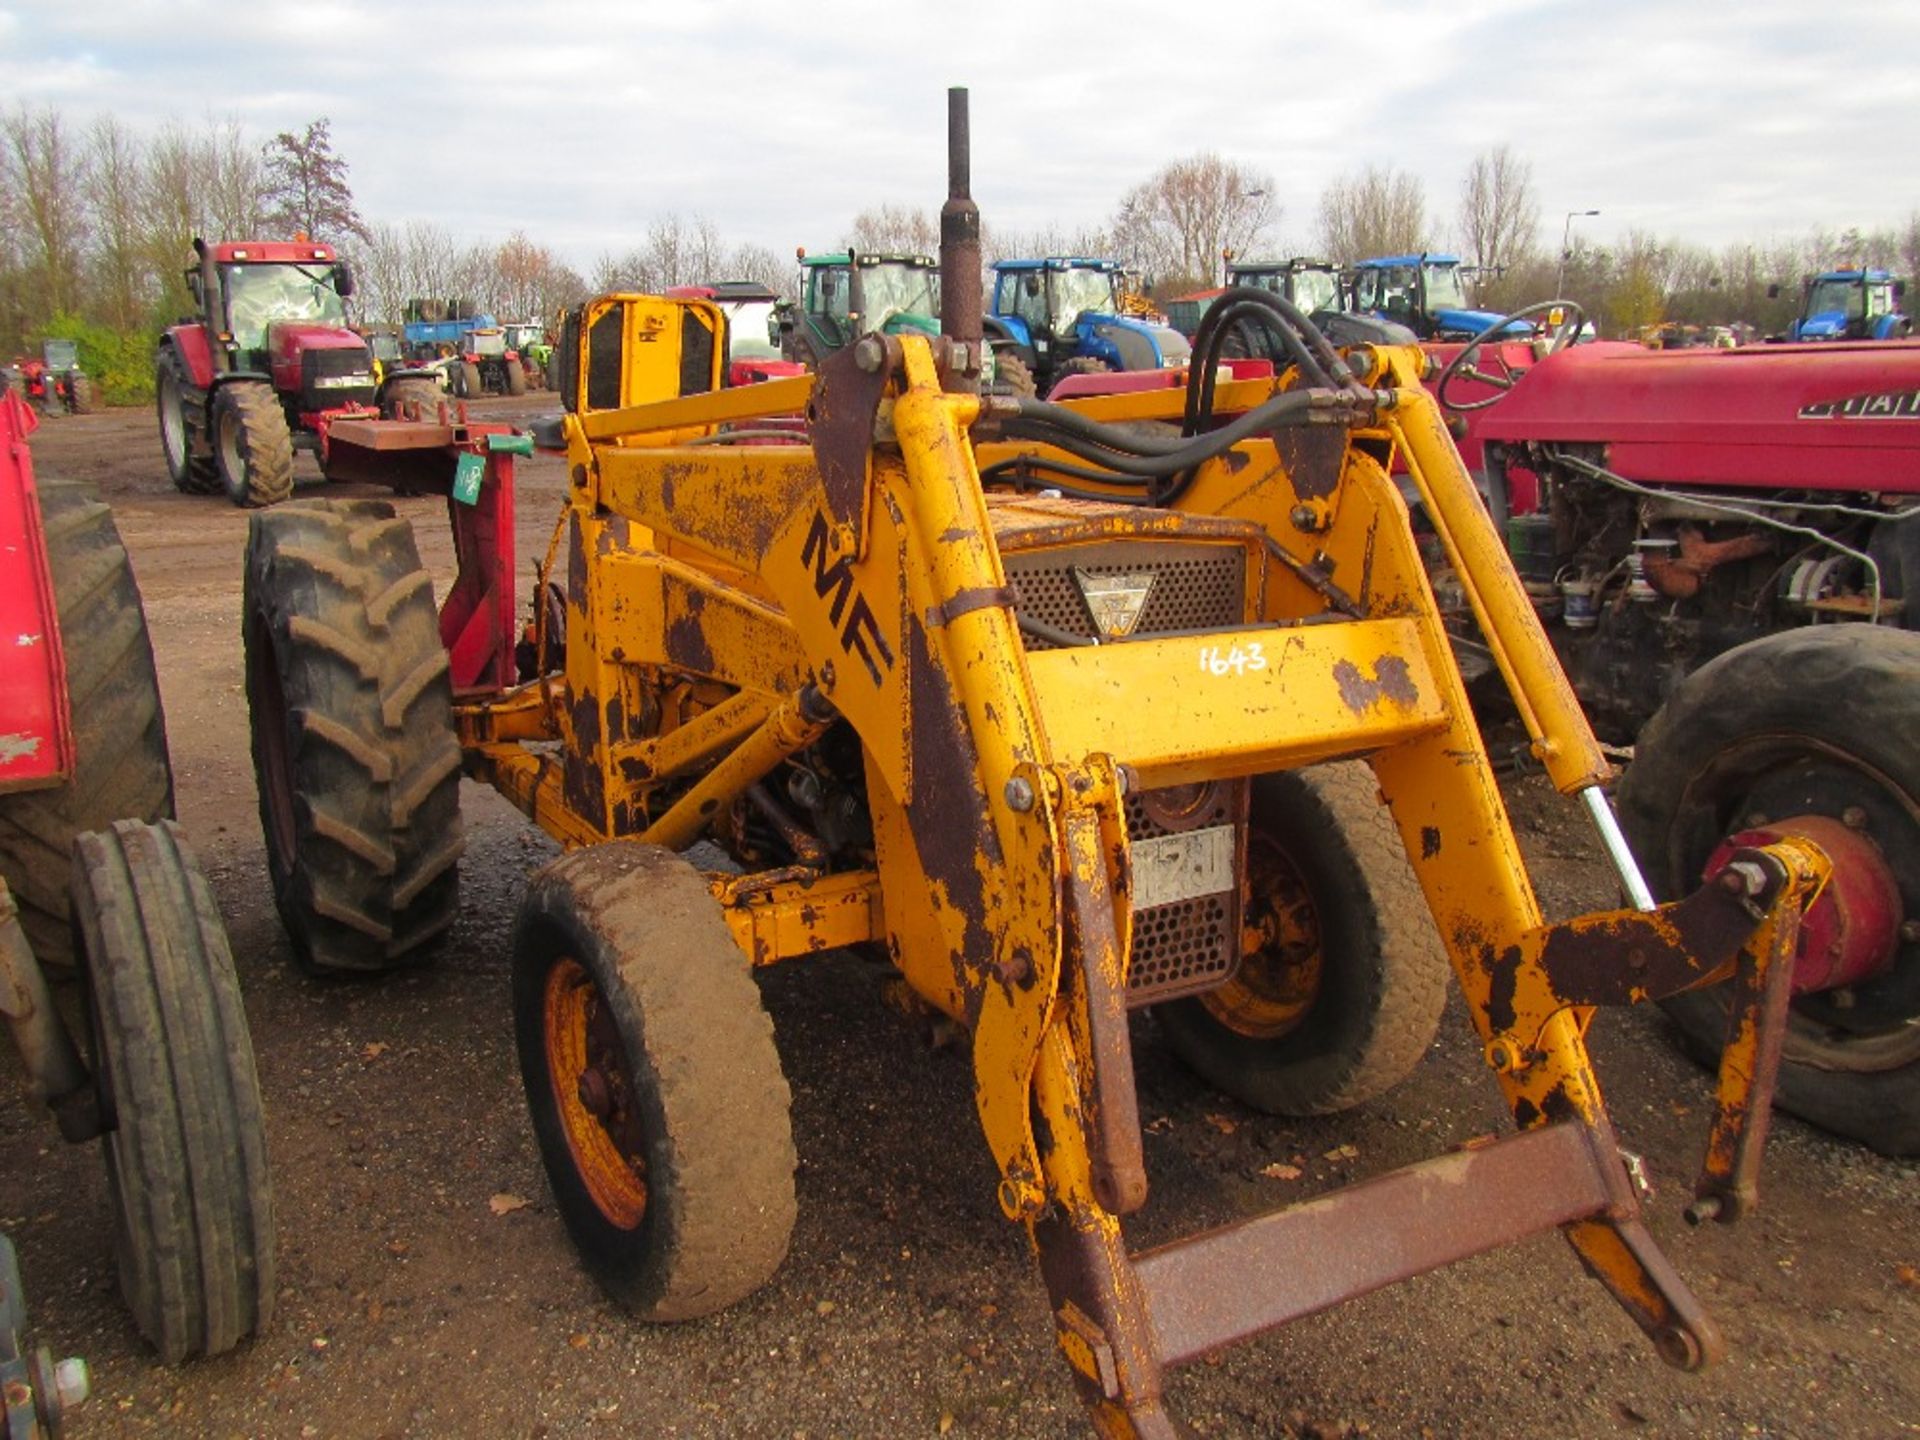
x: 1079, y: 365
x: 652, y: 1078
x: 1011, y: 375
x: 353, y: 743
x: 1808, y: 732
x: 80, y: 395
x: 1339, y: 992
x: 119, y: 733
x: 411, y: 399
x: 194, y: 474
x: 516, y: 378
x: 252, y: 447
x: 468, y: 382
x: 186, y: 1149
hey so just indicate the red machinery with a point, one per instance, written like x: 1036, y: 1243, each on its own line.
x: 1726, y: 546
x: 266, y: 368
x: 94, y: 874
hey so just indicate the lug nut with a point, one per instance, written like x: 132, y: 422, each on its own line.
x: 1910, y: 932
x: 1854, y: 817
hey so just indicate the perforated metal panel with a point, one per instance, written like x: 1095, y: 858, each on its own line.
x: 1190, y: 945
x: 1195, y: 587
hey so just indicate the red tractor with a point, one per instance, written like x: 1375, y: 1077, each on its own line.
x: 266, y: 368
x: 96, y: 878
x: 55, y: 383
x: 1726, y: 547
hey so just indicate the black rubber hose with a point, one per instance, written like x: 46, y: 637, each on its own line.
x: 1036, y: 419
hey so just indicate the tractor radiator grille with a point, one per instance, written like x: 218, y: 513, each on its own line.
x: 1195, y: 587
x: 335, y: 377
x: 1193, y: 944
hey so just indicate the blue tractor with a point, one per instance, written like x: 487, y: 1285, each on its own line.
x: 1425, y: 294
x: 1850, y: 305
x: 1061, y: 316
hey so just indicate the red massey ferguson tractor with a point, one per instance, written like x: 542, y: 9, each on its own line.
x: 1725, y: 545
x: 266, y: 368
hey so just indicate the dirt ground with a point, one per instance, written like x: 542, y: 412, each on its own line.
x: 407, y: 1307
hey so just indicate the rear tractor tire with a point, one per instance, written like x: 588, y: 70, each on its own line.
x: 252, y: 447
x: 353, y: 742
x: 121, y: 771
x: 1809, y: 730
x: 80, y: 395
x: 1011, y: 375
x: 186, y: 1147
x: 653, y: 1082
x: 467, y: 381
x: 413, y: 398
x: 1342, y: 995
x: 516, y: 378
x: 192, y: 474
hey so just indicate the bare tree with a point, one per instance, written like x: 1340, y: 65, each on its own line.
x: 307, y: 188
x: 230, y: 185
x: 382, y: 276
x: 1176, y: 224
x: 1499, y: 218
x: 1380, y: 211
x: 47, y: 175
x: 756, y: 262
x: 894, y: 230
x: 121, y: 272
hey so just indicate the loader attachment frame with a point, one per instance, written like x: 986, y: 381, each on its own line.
x: 726, y: 603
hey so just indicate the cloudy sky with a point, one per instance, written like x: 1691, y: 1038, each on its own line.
x: 580, y: 122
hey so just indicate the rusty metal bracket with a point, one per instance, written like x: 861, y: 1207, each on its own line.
x: 1744, y: 926
x: 841, y: 418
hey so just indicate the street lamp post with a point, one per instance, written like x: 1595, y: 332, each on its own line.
x: 1566, y: 240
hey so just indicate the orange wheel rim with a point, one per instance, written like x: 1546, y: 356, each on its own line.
x: 1280, y: 949
x: 593, y: 1094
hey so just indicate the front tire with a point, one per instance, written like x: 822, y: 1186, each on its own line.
x: 252, y: 447
x: 121, y: 770
x: 186, y: 1152
x: 653, y: 1082
x: 1079, y: 365
x: 516, y: 378
x: 1817, y: 721
x: 353, y: 743
x: 1341, y: 996
x: 467, y: 382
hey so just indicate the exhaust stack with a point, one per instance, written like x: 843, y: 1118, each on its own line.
x: 960, y: 319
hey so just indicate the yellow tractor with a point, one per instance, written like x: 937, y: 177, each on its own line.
x: 1072, y: 710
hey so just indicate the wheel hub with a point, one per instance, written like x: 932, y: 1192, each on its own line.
x: 594, y: 1094
x: 1851, y: 932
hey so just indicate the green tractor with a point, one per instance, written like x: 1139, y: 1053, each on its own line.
x: 847, y: 294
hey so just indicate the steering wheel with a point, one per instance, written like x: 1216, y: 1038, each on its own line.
x: 1462, y: 366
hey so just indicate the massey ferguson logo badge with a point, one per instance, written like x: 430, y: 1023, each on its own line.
x: 1899, y: 405
x: 1114, y: 601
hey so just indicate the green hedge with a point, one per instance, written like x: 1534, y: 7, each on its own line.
x: 120, y: 363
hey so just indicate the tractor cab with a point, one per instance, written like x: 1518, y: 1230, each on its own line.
x: 279, y: 309
x: 1426, y: 293
x: 1067, y: 315
x: 1850, y: 305
x: 1312, y: 285
x: 846, y: 294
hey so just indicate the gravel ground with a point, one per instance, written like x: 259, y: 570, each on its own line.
x: 426, y: 1287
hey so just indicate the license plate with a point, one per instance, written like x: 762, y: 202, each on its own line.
x: 1170, y: 868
